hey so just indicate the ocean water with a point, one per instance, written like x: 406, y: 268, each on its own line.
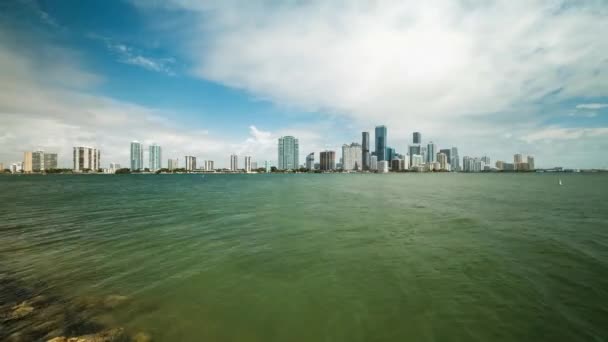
x: 345, y: 257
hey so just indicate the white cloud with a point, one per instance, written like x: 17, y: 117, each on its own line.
x: 592, y: 105
x: 558, y: 133
x: 130, y: 55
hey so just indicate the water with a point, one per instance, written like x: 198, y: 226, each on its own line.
x: 420, y: 257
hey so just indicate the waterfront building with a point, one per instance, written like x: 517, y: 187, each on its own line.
x: 209, y: 165
x: 155, y: 157
x: 28, y: 162
x: 365, y: 154
x: 328, y: 160
x: 413, y: 150
x: 430, y: 153
x: 351, y: 157
x: 406, y: 162
x: 417, y: 160
x: 531, y: 163
x: 523, y: 167
x: 467, y: 164
x: 254, y: 165
x: 50, y: 161
x: 234, y: 162
x: 508, y: 167
x: 1, y: 167
x: 190, y: 163
x: 448, y: 153
x: 500, y: 165
x: 267, y: 166
x: 442, y: 159
x: 86, y: 158
x: 173, y: 164
x: 37, y: 161
x: 288, y: 153
x: 137, y: 156
x: 247, y: 163
x: 383, y: 166
x: 114, y: 167
x: 517, y: 158
x: 454, y: 160
x: 390, y: 154
x: 486, y: 160
x: 417, y: 138
x: 373, y: 163
x: 310, y: 161
x: 381, y: 139
x: 17, y: 167
x: 434, y: 166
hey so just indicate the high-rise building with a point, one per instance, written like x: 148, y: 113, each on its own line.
x: 517, y: 158
x: 86, y: 158
x: 114, y: 167
x: 173, y: 164
x: 531, y: 163
x: 209, y: 165
x: 17, y: 167
x: 37, y: 161
x: 417, y: 138
x: 50, y: 161
x: 288, y: 153
x: 373, y: 163
x: 486, y: 160
x: 247, y: 163
x: 267, y: 166
x: 417, y: 160
x: 234, y: 162
x: 442, y: 159
x: 430, y: 153
x: 454, y: 160
x: 190, y: 163
x: 365, y: 155
x: 390, y: 154
x: 351, y: 157
x: 500, y: 165
x: 413, y: 150
x: 137, y: 156
x: 155, y: 157
x: 28, y: 162
x: 448, y: 153
x: 328, y: 160
x: 381, y: 139
x: 383, y: 166
x: 310, y: 161
x: 468, y: 164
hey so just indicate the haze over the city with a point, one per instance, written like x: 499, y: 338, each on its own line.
x: 210, y: 79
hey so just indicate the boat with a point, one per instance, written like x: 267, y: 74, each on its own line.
x: 560, y: 181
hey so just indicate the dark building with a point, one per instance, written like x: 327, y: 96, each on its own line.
x: 448, y: 153
x: 417, y: 138
x: 365, y: 156
x: 327, y: 160
x: 381, y: 134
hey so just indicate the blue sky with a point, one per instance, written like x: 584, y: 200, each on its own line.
x: 214, y: 78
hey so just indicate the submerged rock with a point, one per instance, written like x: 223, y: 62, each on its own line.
x: 110, y: 335
x: 112, y: 301
x: 20, y: 311
x: 142, y: 337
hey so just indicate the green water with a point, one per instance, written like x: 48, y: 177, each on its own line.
x: 403, y: 257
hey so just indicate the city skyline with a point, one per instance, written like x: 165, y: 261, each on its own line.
x: 74, y: 81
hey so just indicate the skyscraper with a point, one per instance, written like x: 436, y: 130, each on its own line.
x: 517, y: 158
x: 413, y: 150
x: 247, y: 163
x: 155, y: 155
x: 381, y: 138
x: 448, y: 153
x: 417, y: 138
x: 531, y: 163
x: 455, y: 160
x: 190, y: 163
x: 173, y: 164
x: 137, y: 156
x: 234, y: 162
x: 86, y: 158
x: 267, y: 166
x: 209, y: 165
x: 390, y: 154
x: 442, y: 158
x: 50, y: 161
x: 328, y: 160
x: 288, y: 153
x: 365, y: 156
x: 28, y: 162
x: 310, y: 161
x: 373, y: 163
x: 430, y: 153
x: 351, y: 156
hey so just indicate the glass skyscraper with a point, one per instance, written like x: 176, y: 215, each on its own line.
x: 137, y: 156
x: 289, y: 153
x: 417, y: 138
x: 381, y: 134
x: 365, y: 156
x: 155, y: 154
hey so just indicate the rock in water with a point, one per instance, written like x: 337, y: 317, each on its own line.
x: 142, y: 337
x: 110, y: 335
x: 21, y: 310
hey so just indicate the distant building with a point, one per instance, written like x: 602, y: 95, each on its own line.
x: 508, y: 167
x: 288, y: 153
x: 500, y: 165
x: 17, y: 167
x: 234, y: 162
x: 398, y: 164
x: 522, y: 167
x: 413, y: 150
x: 86, y: 158
x: 454, y: 160
x: 50, y: 161
x: 155, y: 157
x: 267, y: 166
x: 486, y: 160
x: 468, y: 164
x: 442, y: 159
x: 417, y: 160
x: 209, y: 165
x: 1, y: 167
x: 28, y: 162
x: 328, y: 160
x: 517, y: 158
x: 173, y: 164
x: 137, y: 156
x: 381, y: 139
x: 190, y: 163
x: 383, y: 166
x: 254, y: 165
x: 417, y: 138
x: 373, y: 164
x: 430, y: 153
x: 365, y: 154
x: 531, y: 163
x: 351, y: 157
x: 247, y: 163
x: 448, y: 153
x: 390, y: 154
x: 114, y: 167
x: 310, y: 161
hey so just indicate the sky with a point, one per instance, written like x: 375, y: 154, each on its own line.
x: 214, y: 78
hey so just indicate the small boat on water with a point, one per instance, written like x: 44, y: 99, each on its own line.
x: 560, y: 181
